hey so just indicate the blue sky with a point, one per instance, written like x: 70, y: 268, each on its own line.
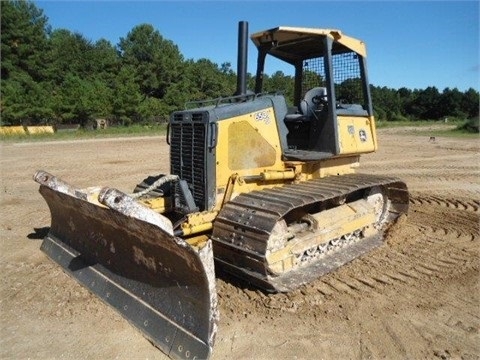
x: 413, y: 44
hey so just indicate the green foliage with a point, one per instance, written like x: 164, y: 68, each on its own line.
x: 126, y: 96
x: 151, y: 106
x: 471, y: 126
x: 79, y: 100
x: 429, y: 103
x: 206, y: 80
x: 55, y: 77
x: 280, y: 82
x: 156, y: 62
x: 24, y: 44
x: 350, y: 91
x: 24, y: 31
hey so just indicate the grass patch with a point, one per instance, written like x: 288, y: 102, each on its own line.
x: 455, y: 128
x: 121, y: 131
x: 420, y: 128
x: 457, y: 133
x: 419, y: 124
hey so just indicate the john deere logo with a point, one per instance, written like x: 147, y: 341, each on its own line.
x: 363, y: 135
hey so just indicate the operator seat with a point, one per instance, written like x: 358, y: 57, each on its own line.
x: 313, y: 100
x: 301, y: 124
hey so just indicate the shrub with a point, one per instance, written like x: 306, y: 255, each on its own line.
x: 471, y: 126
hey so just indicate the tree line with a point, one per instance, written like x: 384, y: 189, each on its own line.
x: 54, y: 76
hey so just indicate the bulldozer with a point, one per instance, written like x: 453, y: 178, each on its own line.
x: 264, y: 191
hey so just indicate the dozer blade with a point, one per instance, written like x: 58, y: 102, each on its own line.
x: 127, y: 255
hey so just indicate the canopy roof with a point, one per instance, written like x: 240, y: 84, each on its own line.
x: 292, y: 44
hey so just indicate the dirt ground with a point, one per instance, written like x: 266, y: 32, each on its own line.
x: 415, y: 297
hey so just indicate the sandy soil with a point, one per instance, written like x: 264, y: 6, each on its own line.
x: 415, y: 297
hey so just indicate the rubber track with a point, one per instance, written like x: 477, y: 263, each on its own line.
x: 243, y: 226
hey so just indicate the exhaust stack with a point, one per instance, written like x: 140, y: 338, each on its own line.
x: 242, y: 58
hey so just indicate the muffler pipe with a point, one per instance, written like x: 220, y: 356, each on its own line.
x: 242, y: 55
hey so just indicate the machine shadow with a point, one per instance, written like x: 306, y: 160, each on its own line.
x: 39, y: 233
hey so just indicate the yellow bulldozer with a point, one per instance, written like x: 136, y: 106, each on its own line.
x: 266, y: 192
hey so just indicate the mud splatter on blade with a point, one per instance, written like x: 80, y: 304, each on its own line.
x: 127, y: 255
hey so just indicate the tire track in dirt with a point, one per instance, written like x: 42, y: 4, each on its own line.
x: 460, y: 204
x: 437, y: 242
x: 446, y: 218
x: 426, y: 257
x: 458, y: 183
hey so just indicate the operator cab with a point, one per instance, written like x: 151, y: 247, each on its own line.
x: 331, y: 91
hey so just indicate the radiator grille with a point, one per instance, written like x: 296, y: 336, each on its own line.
x: 188, y: 155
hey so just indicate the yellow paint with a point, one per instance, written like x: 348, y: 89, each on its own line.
x: 248, y: 145
x: 92, y: 195
x: 12, y: 130
x: 196, y: 219
x: 189, y: 230
x: 287, y: 34
x: 327, y: 225
x: 323, y: 168
x: 196, y: 223
x: 35, y: 130
x: 278, y: 175
x: 248, y: 154
x: 356, y: 134
x: 247, y: 148
x: 160, y: 205
x: 197, y: 242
